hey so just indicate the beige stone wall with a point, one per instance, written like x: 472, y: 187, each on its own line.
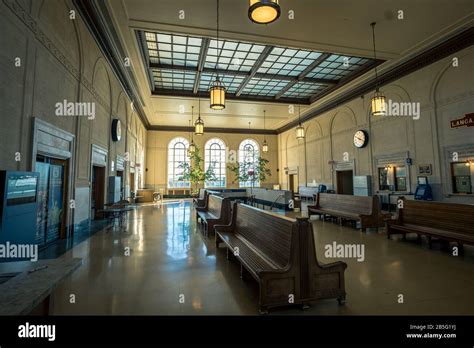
x: 157, y: 154
x: 444, y: 93
x: 60, y: 61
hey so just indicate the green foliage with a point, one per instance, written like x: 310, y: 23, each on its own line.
x: 194, y: 172
x: 248, y: 171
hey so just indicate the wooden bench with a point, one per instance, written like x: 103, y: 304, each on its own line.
x: 364, y: 209
x: 446, y: 221
x: 201, y: 200
x: 216, y: 211
x: 280, y: 255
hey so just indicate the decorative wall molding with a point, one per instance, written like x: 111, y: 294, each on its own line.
x: 41, y: 36
x: 99, y: 156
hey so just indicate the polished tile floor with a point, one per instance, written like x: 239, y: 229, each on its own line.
x: 161, y: 265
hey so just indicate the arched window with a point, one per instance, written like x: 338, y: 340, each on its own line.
x: 214, y: 159
x: 177, y: 159
x: 249, y: 153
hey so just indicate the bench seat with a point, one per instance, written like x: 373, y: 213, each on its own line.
x: 280, y: 255
x: 435, y: 232
x: 207, y: 216
x: 254, y: 261
x: 343, y: 214
x: 364, y: 209
x: 451, y: 222
x: 215, y: 211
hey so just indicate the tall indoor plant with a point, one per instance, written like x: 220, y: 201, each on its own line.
x: 193, y: 171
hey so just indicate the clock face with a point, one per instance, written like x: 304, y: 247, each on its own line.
x: 360, y: 138
x: 116, y: 130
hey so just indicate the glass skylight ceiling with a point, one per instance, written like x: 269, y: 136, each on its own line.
x: 232, y: 55
x: 248, y: 70
x: 231, y: 82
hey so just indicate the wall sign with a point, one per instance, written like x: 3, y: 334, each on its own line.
x: 424, y: 169
x: 466, y: 121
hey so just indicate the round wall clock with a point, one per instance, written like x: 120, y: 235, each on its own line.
x: 116, y: 129
x: 361, y: 138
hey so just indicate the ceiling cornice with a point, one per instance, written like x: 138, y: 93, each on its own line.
x: 213, y: 130
x: 97, y: 19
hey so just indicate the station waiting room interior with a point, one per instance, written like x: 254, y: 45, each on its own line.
x: 224, y: 157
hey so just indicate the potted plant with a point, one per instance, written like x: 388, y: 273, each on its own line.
x: 193, y: 171
x: 251, y: 171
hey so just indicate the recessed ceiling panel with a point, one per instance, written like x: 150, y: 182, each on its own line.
x: 190, y: 64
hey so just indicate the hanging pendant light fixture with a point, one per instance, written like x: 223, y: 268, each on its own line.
x: 199, y: 125
x: 265, y: 145
x: 379, y: 105
x: 264, y: 11
x: 192, y: 147
x: 300, y: 128
x: 217, y: 90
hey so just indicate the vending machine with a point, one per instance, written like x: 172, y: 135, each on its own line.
x: 18, y: 206
x: 423, y: 189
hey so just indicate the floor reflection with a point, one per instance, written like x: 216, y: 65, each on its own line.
x: 178, y: 230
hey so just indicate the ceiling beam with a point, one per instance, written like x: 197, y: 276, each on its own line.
x: 185, y: 129
x: 303, y: 74
x: 241, y: 73
x: 202, y: 59
x: 286, y: 88
x: 359, y: 72
x: 230, y: 96
x: 263, y: 56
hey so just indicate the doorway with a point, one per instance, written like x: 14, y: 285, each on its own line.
x: 345, y: 185
x: 293, y: 181
x: 98, y: 191
x: 132, y: 183
x: 122, y: 183
x: 52, y: 193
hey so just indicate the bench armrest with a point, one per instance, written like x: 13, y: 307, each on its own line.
x: 223, y: 228
x: 339, y: 265
x: 390, y: 222
x: 268, y: 274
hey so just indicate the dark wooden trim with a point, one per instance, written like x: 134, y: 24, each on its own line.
x: 241, y: 73
x: 200, y: 67
x: 230, y: 96
x: 359, y: 72
x: 146, y: 58
x: 444, y: 49
x: 265, y: 53
x: 213, y: 130
x: 303, y: 74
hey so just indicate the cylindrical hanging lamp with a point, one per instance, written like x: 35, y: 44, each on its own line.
x: 264, y: 11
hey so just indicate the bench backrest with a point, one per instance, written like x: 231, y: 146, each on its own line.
x: 202, y: 193
x: 445, y: 216
x: 218, y: 206
x: 268, y: 232
x: 362, y: 205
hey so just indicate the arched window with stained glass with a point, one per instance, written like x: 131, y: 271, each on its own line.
x: 249, y: 154
x: 177, y: 157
